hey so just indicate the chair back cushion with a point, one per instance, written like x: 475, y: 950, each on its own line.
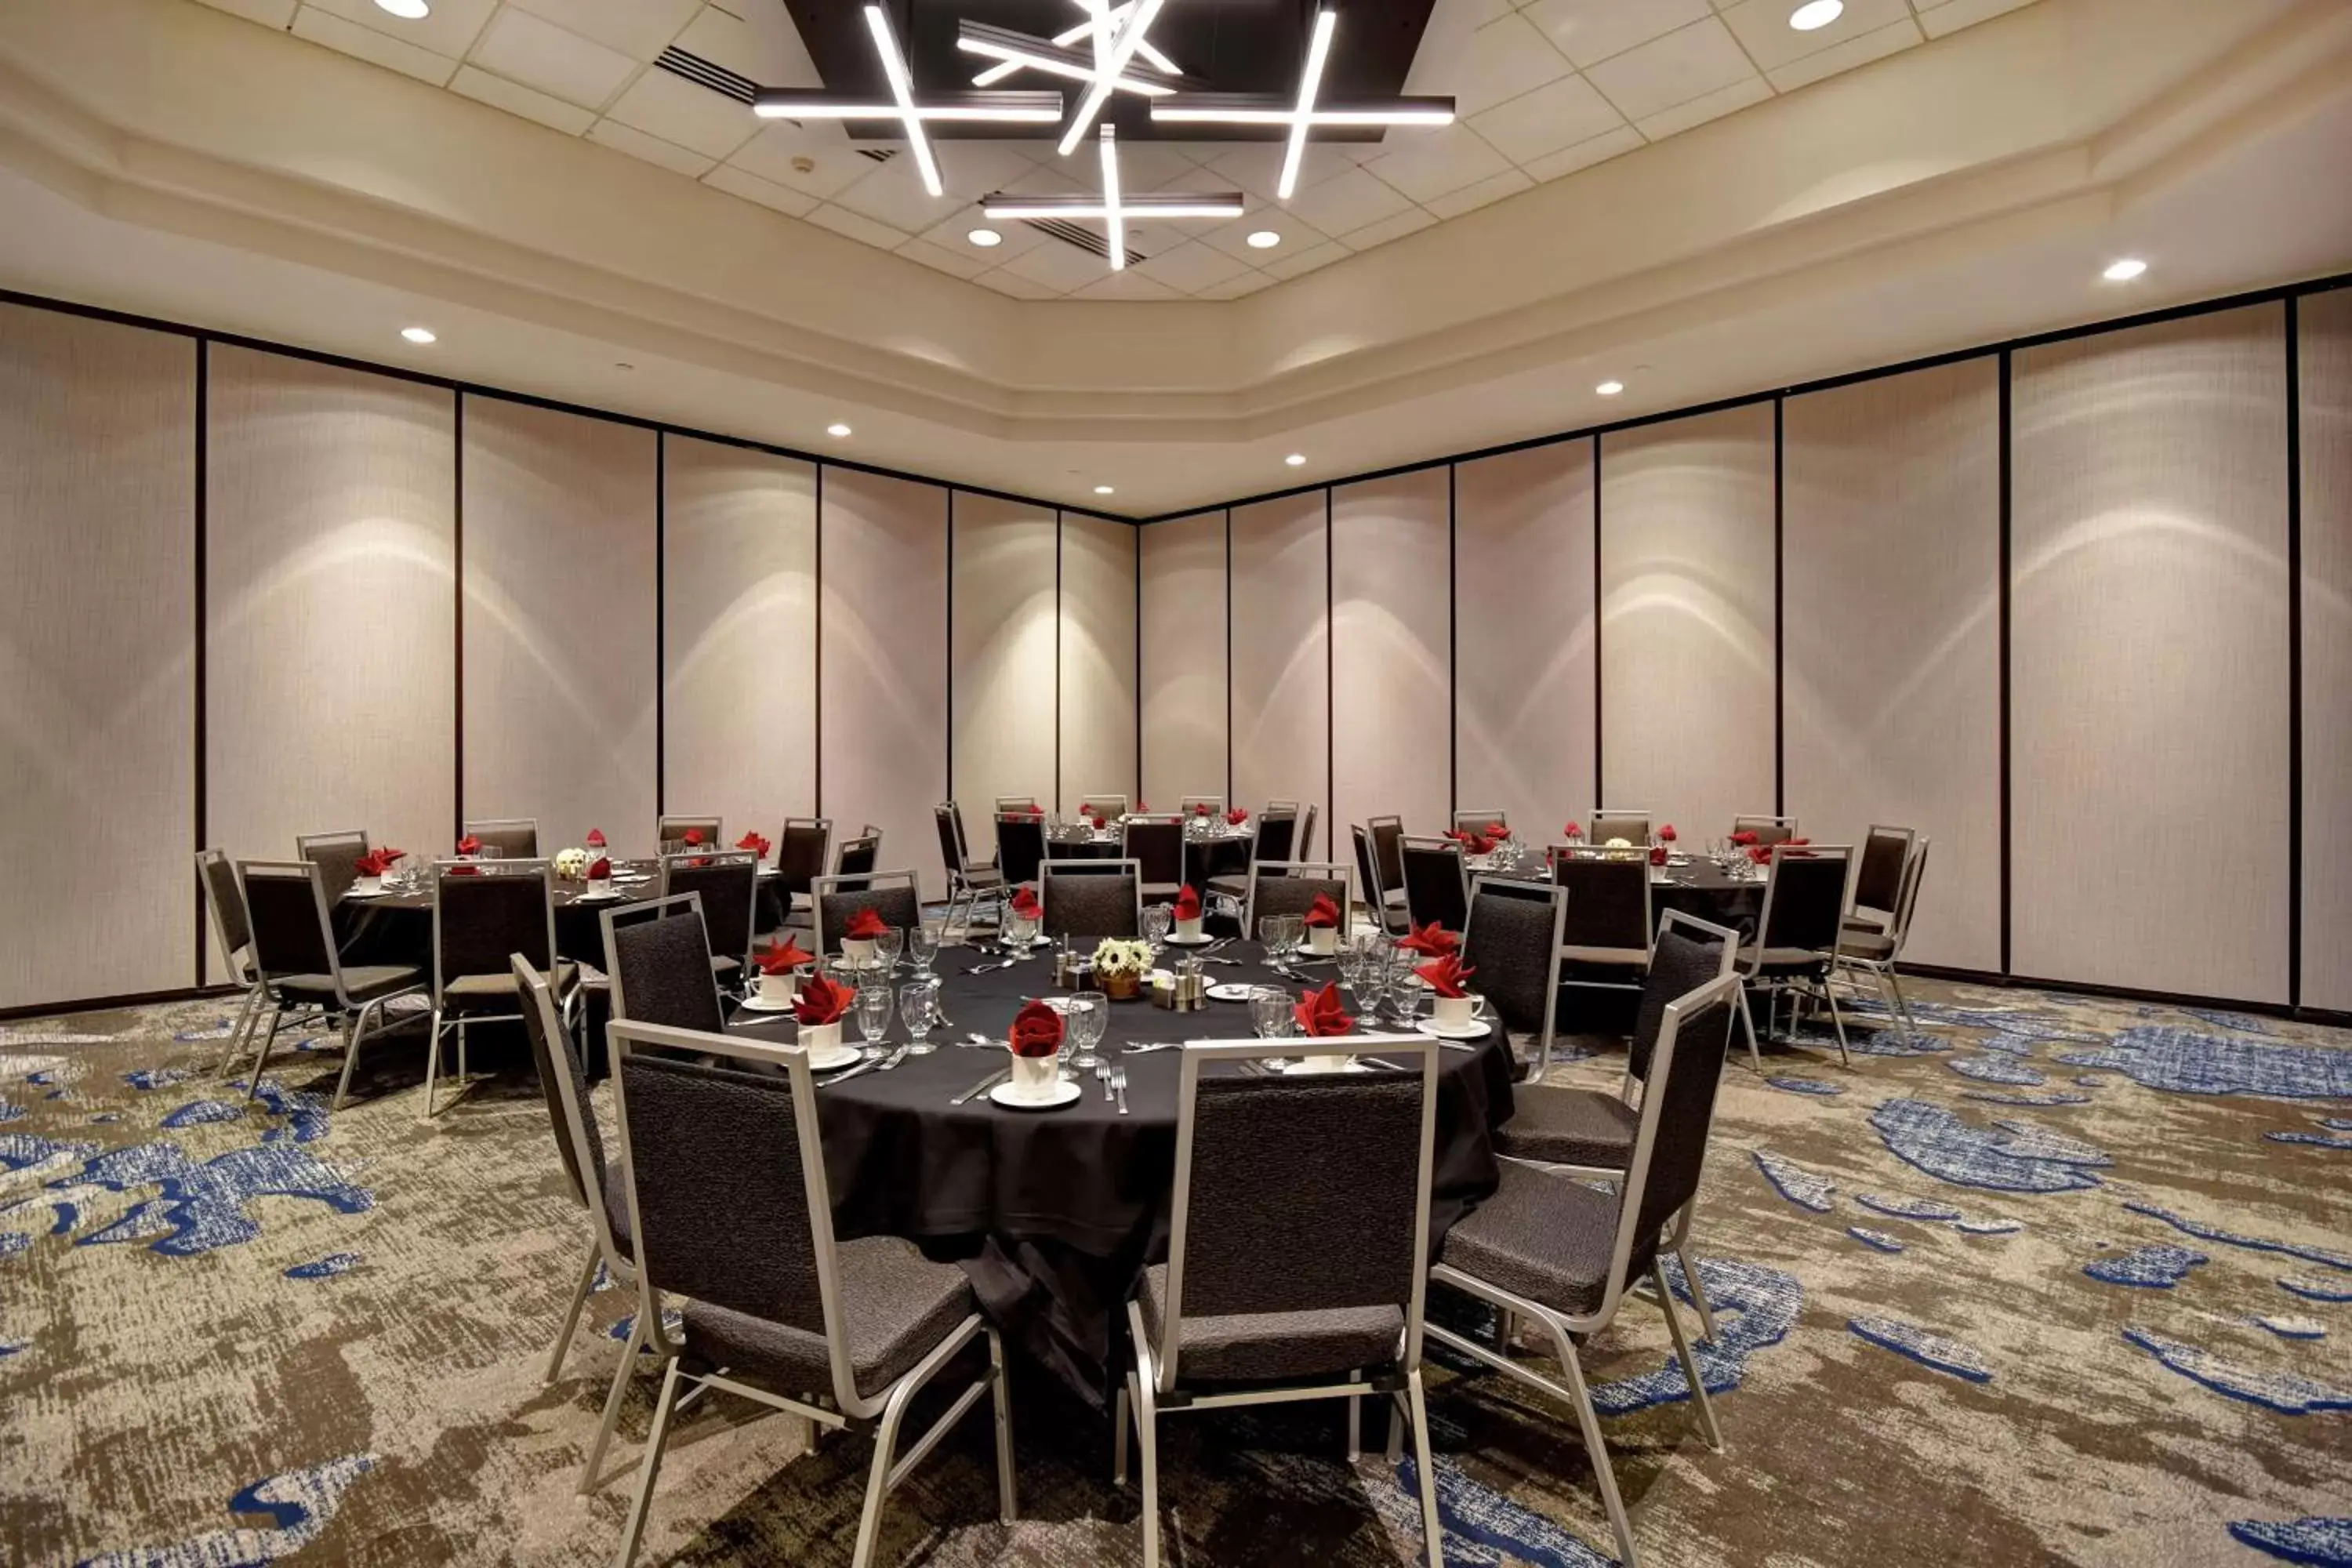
x: 1878, y: 884
x: 1632, y: 828
x: 227, y: 900
x: 800, y: 854
x: 1276, y: 832
x: 673, y: 833
x: 485, y: 919
x: 338, y: 859
x: 661, y: 973
x: 1020, y: 846
x: 1678, y: 965
x: 950, y: 831
x: 286, y: 936
x: 1767, y: 832
x: 897, y: 905
x: 1683, y: 1101
x: 1433, y: 885
x: 1281, y: 895
x: 1160, y: 847
x: 1808, y: 902
x: 1388, y: 846
x: 1509, y: 943
x: 858, y: 855
x: 1608, y: 901
x: 1090, y: 904
x: 730, y: 886
x: 513, y: 841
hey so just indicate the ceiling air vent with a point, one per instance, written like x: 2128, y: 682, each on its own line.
x: 879, y: 154
x: 1085, y: 240
x: 708, y: 73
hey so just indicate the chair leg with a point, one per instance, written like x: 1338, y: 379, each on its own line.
x: 432, y: 1058
x: 1902, y: 1007
x: 261, y: 1057
x: 1146, y: 1441
x: 1707, y: 1426
x: 239, y: 1032
x: 1008, y: 1506
x: 464, y: 1073
x: 1838, y: 1018
x: 1355, y: 1422
x: 571, y: 1317
x: 1398, y: 1415
x: 1596, y: 1449
x: 1747, y: 1022
x: 1118, y: 1418
x: 1698, y: 1293
x: 1431, y: 1526
x: 613, y: 1401
x: 877, y: 1481
x: 649, y: 1469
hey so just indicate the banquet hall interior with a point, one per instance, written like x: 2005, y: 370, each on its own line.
x: 1068, y: 783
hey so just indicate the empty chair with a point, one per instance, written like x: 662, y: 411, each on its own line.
x: 1090, y: 900
x: 1546, y: 1249
x: 1436, y: 883
x: 1386, y: 908
x: 337, y: 856
x: 1633, y: 827
x: 841, y: 900
x: 1020, y: 846
x: 514, y: 837
x: 801, y: 858
x: 1804, y: 914
x: 483, y: 916
x: 1478, y: 820
x: 1874, y: 953
x: 729, y: 1208
x: 1156, y: 845
x: 1388, y: 855
x: 1607, y: 941
x: 670, y: 832
x: 1280, y: 1276
x: 1023, y: 803
x: 233, y: 934
x: 729, y: 884
x: 295, y: 962
x: 1878, y: 879
x: 966, y: 878
x: 858, y: 855
x: 1106, y: 805
x: 1201, y: 805
x: 657, y: 963
x: 1511, y: 939
x: 1275, y: 831
x: 1303, y: 847
x: 1768, y: 829
x: 1291, y: 888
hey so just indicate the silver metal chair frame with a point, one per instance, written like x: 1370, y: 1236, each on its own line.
x: 1634, y: 958
x: 1372, y: 825
x: 1751, y: 971
x: 1050, y: 870
x: 966, y: 878
x: 1908, y: 837
x: 1320, y: 870
x: 237, y: 960
x: 1302, y: 843
x: 1191, y: 804
x: 1557, y: 897
x: 1890, y: 985
x: 495, y: 823
x: 1627, y: 813
x: 1565, y: 1329
x: 864, y: 882
x: 1151, y: 1389
x: 885, y: 1410
x: 867, y: 838
x: 304, y: 841
x: 353, y: 1013
x: 1785, y: 825
x: 539, y: 868
x: 1014, y: 802
x: 1102, y: 805
x: 666, y: 827
x: 1477, y: 821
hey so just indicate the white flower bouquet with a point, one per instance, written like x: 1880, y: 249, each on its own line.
x: 571, y: 864
x: 1118, y: 958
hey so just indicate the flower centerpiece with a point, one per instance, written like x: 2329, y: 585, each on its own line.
x: 571, y: 864
x: 1120, y: 965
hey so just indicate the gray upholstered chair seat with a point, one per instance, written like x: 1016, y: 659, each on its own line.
x: 722, y: 964
x: 1231, y: 886
x: 1615, y: 957
x: 1258, y: 1346
x: 896, y: 1305
x: 475, y: 991
x: 1543, y: 1235
x: 1563, y: 1126
x: 1865, y: 944
x: 1782, y: 960
x: 364, y: 983
x: 1864, y: 922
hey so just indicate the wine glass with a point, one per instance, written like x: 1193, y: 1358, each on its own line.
x: 887, y: 946
x: 874, y: 1017
x: 1269, y: 937
x: 1155, y: 921
x: 923, y: 944
x: 1291, y: 937
x: 919, y: 1009
x: 1270, y: 1018
x: 1086, y: 1020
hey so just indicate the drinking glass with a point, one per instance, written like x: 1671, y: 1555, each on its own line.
x: 919, y: 1009
x: 1404, y: 999
x: 1156, y: 920
x: 1086, y: 1020
x: 873, y: 1016
x: 887, y: 946
x: 1293, y: 936
x: 923, y: 944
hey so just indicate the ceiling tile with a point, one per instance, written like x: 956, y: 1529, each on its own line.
x: 1349, y: 201
x: 1406, y: 222
x: 1059, y: 267
x: 1502, y: 59
x: 377, y: 48
x: 1686, y: 64
x: 676, y: 110
x: 1128, y: 284
x: 537, y: 53
x: 451, y: 28
x: 652, y: 149
x: 1014, y: 284
x: 268, y: 13
x: 1762, y: 29
x: 949, y: 234
x: 777, y: 154
x: 1846, y: 55
x: 1193, y: 267
x: 1557, y: 115
x: 1232, y: 238
x: 894, y: 193
x: 1591, y: 30
x: 638, y: 29
x: 1699, y: 110
x: 516, y: 99
x: 1307, y: 261
x: 1151, y: 166
x: 1584, y: 154
x: 751, y: 188
x: 970, y: 170
x: 1256, y: 167
x: 963, y: 263
x: 1510, y: 183
x: 856, y: 226
x: 1436, y: 162
x: 1940, y: 21
x: 762, y: 43
x: 1446, y: 42
x: 1249, y: 281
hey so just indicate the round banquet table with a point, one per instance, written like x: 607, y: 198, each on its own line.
x: 1054, y: 1214
x: 1695, y: 885
x: 1222, y: 851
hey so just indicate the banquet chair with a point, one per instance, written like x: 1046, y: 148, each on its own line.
x: 1191, y: 804
x: 514, y: 837
x: 723, y: 1170
x: 1113, y: 806
x: 1874, y: 953
x: 1279, y: 1276
x: 1091, y: 899
x: 1607, y: 944
x: 800, y: 859
x: 1633, y: 827
x: 1466, y: 821
x: 966, y: 878
x: 595, y: 1183
x: 1387, y: 854
x: 1303, y: 848
x: 295, y: 962
x: 1383, y: 904
x: 1020, y: 846
x: 1291, y: 888
x: 1274, y: 831
x: 858, y: 857
x: 1548, y: 1249
x: 1512, y: 939
x: 1156, y: 845
x: 1436, y: 883
x: 1798, y: 933
x: 1005, y: 803
x: 890, y: 894
x: 1768, y: 829
x: 670, y: 833
x: 337, y: 856
x: 729, y: 883
x: 1878, y: 882
x: 656, y: 960
x: 233, y: 934
x: 483, y: 915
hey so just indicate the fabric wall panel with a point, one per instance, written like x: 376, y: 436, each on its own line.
x: 882, y: 546
x: 1098, y: 646
x: 1281, y: 658
x: 1892, y: 675
x: 98, y: 431
x: 558, y: 561
x: 1183, y: 677
x: 2148, y: 674
x: 739, y: 631
x: 1686, y: 619
x: 1006, y: 647
x: 1391, y: 662
x: 2327, y: 588
x: 1524, y: 647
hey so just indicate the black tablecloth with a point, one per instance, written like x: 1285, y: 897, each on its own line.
x: 1701, y: 889
x: 1055, y: 1214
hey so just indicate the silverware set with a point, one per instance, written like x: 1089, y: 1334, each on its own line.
x: 983, y: 1087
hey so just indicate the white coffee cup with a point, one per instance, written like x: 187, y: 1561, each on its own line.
x: 1456, y: 1012
x: 779, y: 989
x: 368, y: 884
x: 857, y: 951
x: 1323, y: 940
x: 1325, y: 1064
x: 601, y: 886
x: 1034, y: 1077
x: 821, y: 1039
x: 1189, y: 929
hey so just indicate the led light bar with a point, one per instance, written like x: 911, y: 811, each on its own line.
x: 1136, y: 208
x: 1019, y: 50
x: 1022, y: 107
x: 1151, y: 56
x: 1110, y: 64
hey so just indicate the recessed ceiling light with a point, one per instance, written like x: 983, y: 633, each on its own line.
x: 1816, y: 14
x: 2125, y: 270
x: 986, y: 239
x: 1297, y: 460
x: 837, y: 430
x: 1609, y: 388
x: 1103, y: 489
x: 417, y: 335
x: 1264, y: 239
x: 406, y: 10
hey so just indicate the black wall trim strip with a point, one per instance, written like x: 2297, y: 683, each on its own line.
x: 661, y: 622
x: 2002, y: 441
x: 200, y: 809
x: 1780, y: 607
x: 1599, y: 790
x: 816, y: 661
x: 950, y: 658
x: 1453, y: 661
x: 457, y: 615
x: 1060, y: 622
x: 1228, y: 657
x: 1140, y: 793
x: 2294, y: 652
x: 1330, y: 673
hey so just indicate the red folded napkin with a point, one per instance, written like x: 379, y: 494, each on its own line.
x: 755, y: 843
x: 1497, y: 831
x: 1323, y: 911
x: 1432, y: 939
x: 1796, y: 847
x: 1188, y: 903
x: 1760, y: 853
x: 824, y: 1001
x: 1025, y: 904
x: 1032, y: 809
x: 1036, y: 1031
x: 602, y: 871
x: 465, y: 870
x: 1657, y: 854
x: 376, y: 862
x: 1100, y: 822
x: 867, y: 925
x: 781, y: 958
x: 1141, y: 806
x: 1321, y: 1013
x: 1473, y: 843
x: 1573, y: 830
x: 1201, y: 808
x: 469, y: 844
x: 1744, y: 836
x: 1236, y: 816
x: 1445, y: 975
x: 595, y: 839
x: 1666, y: 833
x: 693, y: 837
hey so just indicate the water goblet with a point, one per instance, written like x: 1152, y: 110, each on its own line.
x: 919, y: 1009
x: 874, y: 1017
x: 1087, y: 1019
x: 1155, y: 921
x: 887, y: 946
x: 923, y: 944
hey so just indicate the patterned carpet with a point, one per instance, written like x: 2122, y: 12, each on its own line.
x: 2061, y: 1280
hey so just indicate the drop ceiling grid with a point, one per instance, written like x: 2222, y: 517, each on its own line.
x: 1544, y: 87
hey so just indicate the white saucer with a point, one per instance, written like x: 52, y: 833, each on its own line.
x: 1066, y: 1091
x: 1230, y: 990
x: 588, y: 898
x: 833, y: 1061
x: 379, y: 893
x: 1477, y: 1030
x: 755, y: 1004
x: 1298, y: 1068
x: 1172, y: 939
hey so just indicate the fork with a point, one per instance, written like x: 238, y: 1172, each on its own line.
x: 1102, y: 1076
x: 1119, y: 1087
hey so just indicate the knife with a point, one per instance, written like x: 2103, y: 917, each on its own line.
x: 988, y: 1082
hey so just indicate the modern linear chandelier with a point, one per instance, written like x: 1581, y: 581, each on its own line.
x: 1113, y: 207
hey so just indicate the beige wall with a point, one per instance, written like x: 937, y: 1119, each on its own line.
x: 1005, y: 654
x: 1185, y: 681
x: 2327, y: 378
x: 1391, y: 660
x: 1281, y: 661
x: 1098, y: 636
